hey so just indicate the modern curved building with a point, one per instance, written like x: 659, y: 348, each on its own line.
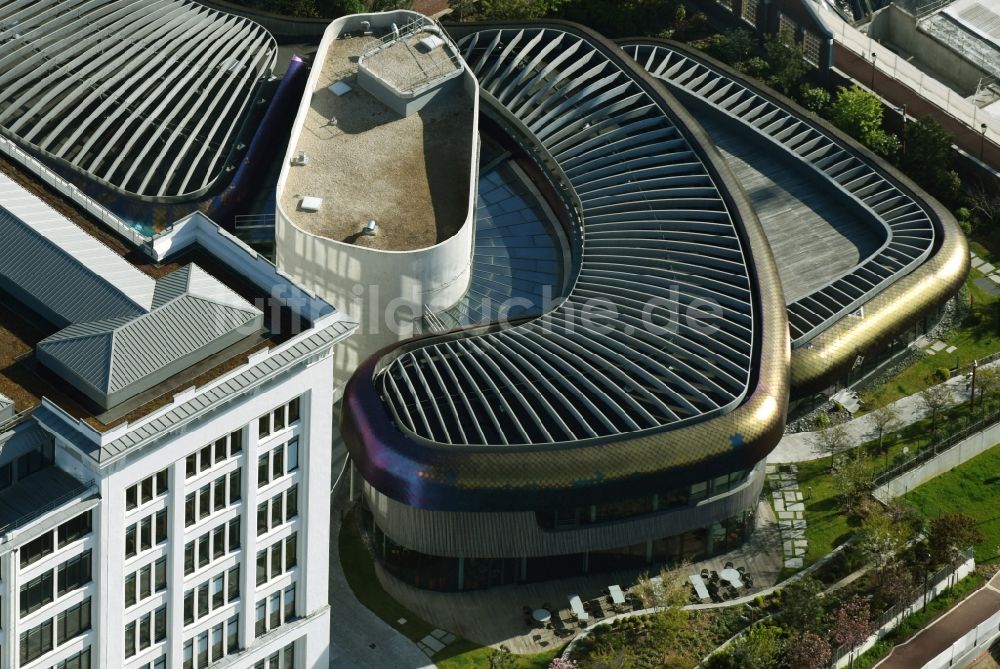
x: 376, y: 197
x: 844, y: 303
x: 678, y: 282
x: 147, y: 98
x: 630, y: 421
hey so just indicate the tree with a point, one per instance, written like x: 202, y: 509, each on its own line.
x: 852, y: 622
x: 880, y: 539
x: 802, y: 605
x: 884, y: 417
x: 492, y: 10
x: 987, y: 384
x: 786, y: 61
x: 935, y: 398
x: 807, y: 650
x: 814, y: 98
x: 896, y: 586
x: 502, y: 658
x: 831, y: 440
x: 852, y: 479
x: 859, y: 113
x: 761, y: 647
x: 927, y: 157
x: 949, y: 535
x: 732, y: 46
x: 560, y: 663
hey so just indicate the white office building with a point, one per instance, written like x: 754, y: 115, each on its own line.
x: 165, y: 434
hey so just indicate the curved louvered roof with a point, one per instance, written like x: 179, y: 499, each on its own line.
x: 655, y: 234
x: 147, y: 96
x: 907, y: 223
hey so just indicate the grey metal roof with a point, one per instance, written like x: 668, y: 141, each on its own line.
x: 58, y: 265
x: 145, y: 95
x: 122, y: 332
x: 158, y: 427
x: 655, y: 231
x: 908, y: 227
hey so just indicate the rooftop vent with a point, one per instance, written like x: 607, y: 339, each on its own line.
x: 300, y: 158
x: 370, y: 229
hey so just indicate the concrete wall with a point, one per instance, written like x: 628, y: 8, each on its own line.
x: 384, y: 291
x: 898, y: 29
x: 944, y: 462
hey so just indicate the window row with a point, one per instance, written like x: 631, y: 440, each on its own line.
x: 212, y: 496
x: 282, y: 609
x: 282, y: 556
x: 145, y: 490
x: 144, y: 534
x: 283, y: 659
x: 213, y: 645
x: 69, y: 624
x: 146, y: 630
x: 70, y: 531
x: 26, y: 465
x: 278, y: 510
x: 142, y: 583
x: 212, y: 545
x: 71, y: 574
x: 211, y: 595
x: 277, y: 462
x: 158, y: 663
x: 206, y: 457
x: 79, y: 660
x: 278, y: 419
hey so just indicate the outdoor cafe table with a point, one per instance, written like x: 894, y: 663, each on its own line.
x: 541, y: 615
x: 732, y: 576
x: 699, y: 586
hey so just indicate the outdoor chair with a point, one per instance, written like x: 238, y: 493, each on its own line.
x: 729, y: 565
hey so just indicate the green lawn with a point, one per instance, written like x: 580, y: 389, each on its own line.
x: 973, y: 489
x: 826, y: 525
x: 360, y: 573
x: 974, y: 339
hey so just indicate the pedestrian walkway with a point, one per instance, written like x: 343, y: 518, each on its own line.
x: 946, y: 630
x: 358, y: 638
x: 801, y: 446
x: 790, y: 509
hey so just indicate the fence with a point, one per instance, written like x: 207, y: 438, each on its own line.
x: 81, y: 199
x: 975, y: 639
x: 891, y: 65
x: 933, y: 586
x: 48, y: 507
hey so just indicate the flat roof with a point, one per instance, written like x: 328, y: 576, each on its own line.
x: 815, y: 239
x: 26, y: 380
x: 366, y: 162
x: 407, y: 65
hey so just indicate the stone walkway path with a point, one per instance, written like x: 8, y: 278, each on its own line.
x: 790, y: 510
x: 800, y: 446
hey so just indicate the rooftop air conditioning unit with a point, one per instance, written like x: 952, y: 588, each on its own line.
x: 311, y: 203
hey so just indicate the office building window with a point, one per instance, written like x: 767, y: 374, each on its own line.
x: 36, y: 549
x: 74, y: 573
x: 36, y: 593
x: 74, y: 621
x: 36, y: 642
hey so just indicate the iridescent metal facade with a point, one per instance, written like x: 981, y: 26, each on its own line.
x: 922, y: 263
x: 652, y: 192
